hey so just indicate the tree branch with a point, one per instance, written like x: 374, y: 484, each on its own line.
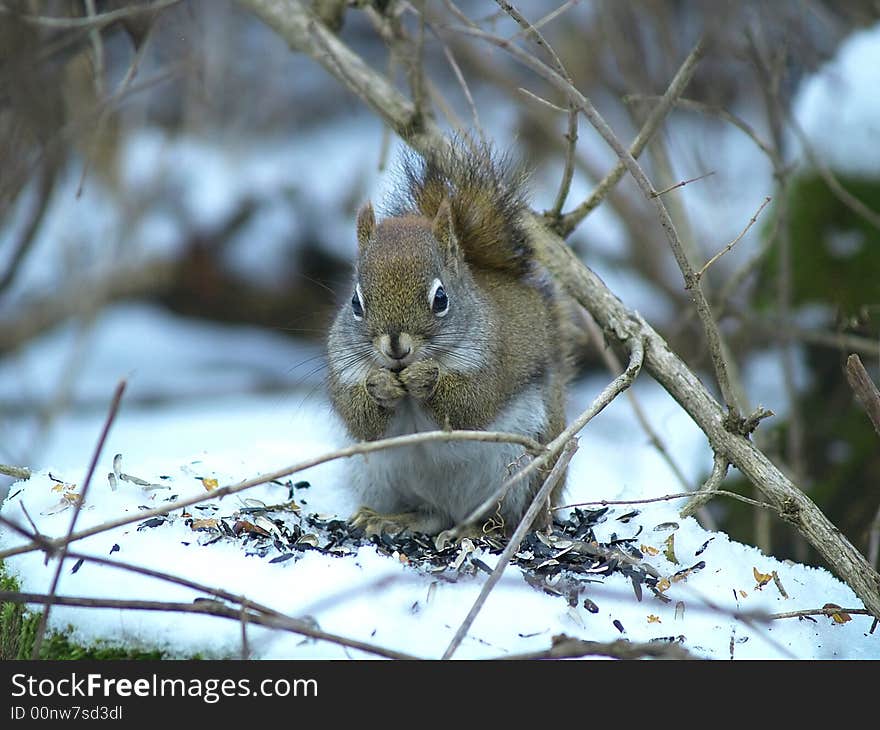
x: 290, y: 19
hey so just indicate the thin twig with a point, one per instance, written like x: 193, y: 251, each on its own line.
x: 824, y: 611
x: 682, y: 183
x: 704, y: 311
x: 99, y: 447
x: 709, y: 109
x: 571, y: 135
x: 553, y: 14
x: 210, y: 608
x: 736, y: 240
x: 571, y: 138
x: 245, y: 650
x: 465, y: 89
x: 565, y: 647
x: 611, y: 391
x: 94, y: 21
x: 29, y: 234
x: 416, y: 66
x: 120, y: 91
x: 771, y: 72
x: 874, y: 540
x: 525, y: 524
x: 709, y: 488
x: 737, y: 277
x: 825, y: 172
x: 541, y: 100
x: 97, y: 48
x: 865, y: 391
x: 37, y: 534
x: 354, y: 450
x: 614, y: 366
x: 666, y: 498
x: 655, y: 118
x: 836, y: 340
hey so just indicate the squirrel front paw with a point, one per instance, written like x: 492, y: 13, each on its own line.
x: 420, y: 379
x: 384, y: 387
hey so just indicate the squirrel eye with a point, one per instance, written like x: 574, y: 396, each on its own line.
x: 438, y: 299
x: 357, y: 303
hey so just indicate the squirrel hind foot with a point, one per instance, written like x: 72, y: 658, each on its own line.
x: 378, y: 523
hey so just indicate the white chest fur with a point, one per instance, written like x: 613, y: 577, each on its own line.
x: 448, y: 479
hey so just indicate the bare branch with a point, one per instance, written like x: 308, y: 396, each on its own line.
x: 120, y: 91
x: 710, y: 326
x: 355, y: 450
x: 668, y: 497
x: 658, y: 114
x: 866, y: 392
x: 565, y: 647
x: 611, y: 391
x: 99, y: 447
x: 571, y: 135
x: 525, y: 524
x: 91, y: 21
x: 16, y: 472
x: 824, y: 611
x: 709, y: 487
x: 614, y: 366
x: 736, y: 240
x: 835, y: 340
x: 209, y: 608
x: 716, y: 111
x: 29, y: 234
x: 620, y: 324
x: 825, y: 172
x: 682, y: 184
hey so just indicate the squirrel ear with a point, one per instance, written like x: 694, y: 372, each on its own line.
x: 366, y: 224
x: 444, y: 232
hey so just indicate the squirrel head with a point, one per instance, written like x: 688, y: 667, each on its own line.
x: 414, y: 296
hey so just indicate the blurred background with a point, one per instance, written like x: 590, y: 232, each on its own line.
x: 178, y: 191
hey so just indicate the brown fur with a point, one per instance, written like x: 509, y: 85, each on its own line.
x: 486, y: 196
x: 503, y: 334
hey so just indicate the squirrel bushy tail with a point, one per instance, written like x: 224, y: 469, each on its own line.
x: 486, y: 195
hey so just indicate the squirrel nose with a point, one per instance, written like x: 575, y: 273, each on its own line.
x: 396, y: 345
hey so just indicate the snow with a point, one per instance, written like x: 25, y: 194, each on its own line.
x: 367, y: 595
x: 838, y: 108
x: 234, y: 402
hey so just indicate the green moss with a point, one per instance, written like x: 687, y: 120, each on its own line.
x: 835, y: 263
x: 18, y: 629
x: 835, y: 251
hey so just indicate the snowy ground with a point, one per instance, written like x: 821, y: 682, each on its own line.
x: 367, y: 595
x: 209, y: 424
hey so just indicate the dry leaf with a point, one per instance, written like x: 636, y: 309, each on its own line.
x: 245, y: 526
x: 663, y: 584
x: 211, y: 523
x: 652, y: 619
x: 762, y: 578
x: 743, y: 593
x: 839, y: 617
x: 210, y: 484
x: 648, y: 550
